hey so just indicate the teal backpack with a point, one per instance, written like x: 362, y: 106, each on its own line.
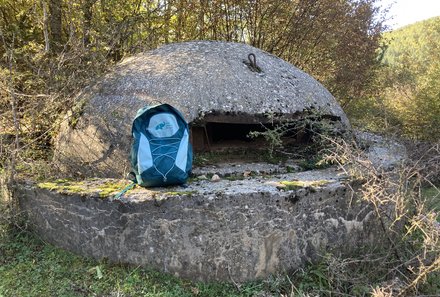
x: 161, y: 154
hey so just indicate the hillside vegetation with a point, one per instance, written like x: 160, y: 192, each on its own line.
x: 406, y: 100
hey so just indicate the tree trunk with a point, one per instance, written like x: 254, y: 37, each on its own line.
x: 167, y: 18
x: 87, y: 13
x: 45, y: 27
x: 55, y: 24
x: 201, y: 19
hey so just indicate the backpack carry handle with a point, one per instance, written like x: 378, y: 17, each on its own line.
x: 158, y: 102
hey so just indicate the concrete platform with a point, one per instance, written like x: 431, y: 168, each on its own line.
x: 239, y: 229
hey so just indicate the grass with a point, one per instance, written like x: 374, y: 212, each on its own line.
x: 29, y: 267
x: 432, y: 196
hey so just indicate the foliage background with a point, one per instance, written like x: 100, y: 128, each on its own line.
x: 387, y: 82
x: 407, y: 96
x: 52, y: 48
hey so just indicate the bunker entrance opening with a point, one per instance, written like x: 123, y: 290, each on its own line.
x: 217, y: 134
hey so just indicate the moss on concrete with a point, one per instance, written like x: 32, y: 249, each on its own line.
x: 298, y: 184
x: 62, y: 186
x: 93, y: 187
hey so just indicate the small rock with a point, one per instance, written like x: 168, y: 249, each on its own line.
x: 202, y: 177
x: 246, y: 173
x: 215, y: 178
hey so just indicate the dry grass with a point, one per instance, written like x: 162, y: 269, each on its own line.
x: 411, y: 227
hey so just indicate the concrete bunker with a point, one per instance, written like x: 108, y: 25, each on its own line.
x: 267, y: 219
x: 224, y: 90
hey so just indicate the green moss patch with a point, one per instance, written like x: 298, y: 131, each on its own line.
x: 94, y: 187
x: 62, y: 186
x: 298, y: 184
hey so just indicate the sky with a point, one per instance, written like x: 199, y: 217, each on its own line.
x: 405, y: 12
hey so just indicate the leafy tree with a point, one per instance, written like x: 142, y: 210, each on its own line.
x: 412, y: 72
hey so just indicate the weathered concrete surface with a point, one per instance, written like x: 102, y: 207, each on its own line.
x: 234, y: 169
x: 229, y: 230
x: 198, y: 78
x: 384, y: 153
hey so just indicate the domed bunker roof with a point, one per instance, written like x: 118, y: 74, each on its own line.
x: 219, y: 87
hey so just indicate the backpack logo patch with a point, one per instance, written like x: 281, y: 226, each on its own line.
x: 163, y: 125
